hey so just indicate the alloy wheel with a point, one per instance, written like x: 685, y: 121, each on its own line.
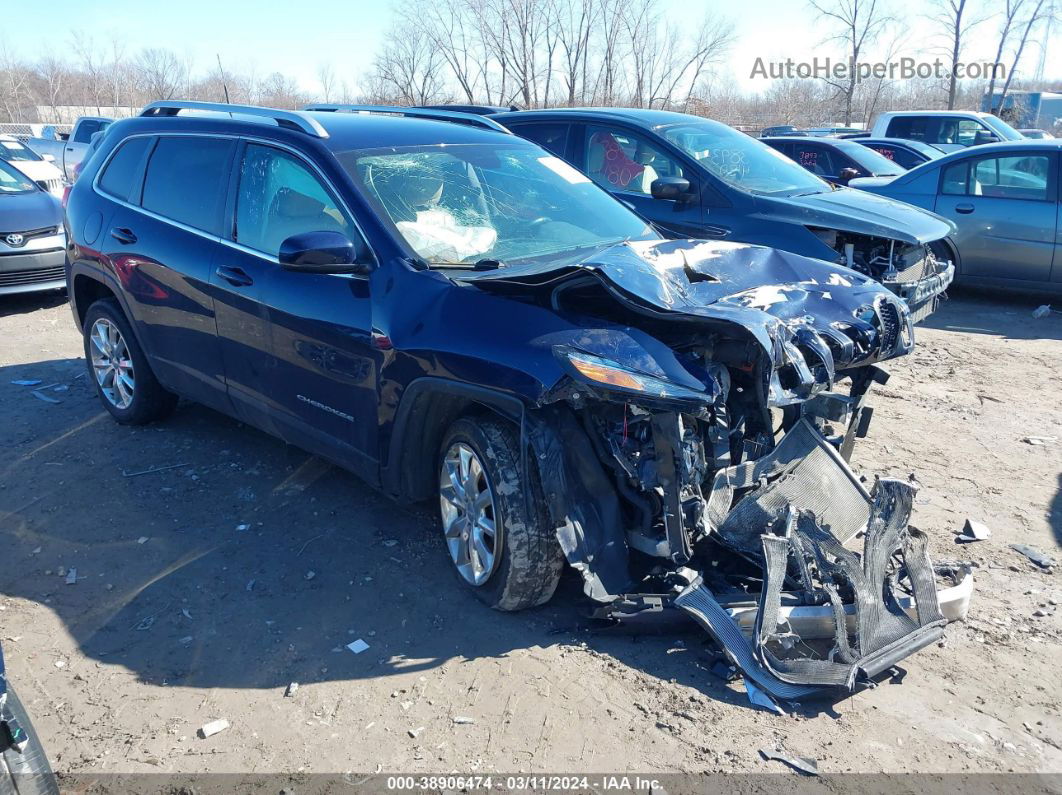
x: 469, y: 517
x: 112, y: 363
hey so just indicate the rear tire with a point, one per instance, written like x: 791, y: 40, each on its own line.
x: 526, y: 559
x: 118, y: 367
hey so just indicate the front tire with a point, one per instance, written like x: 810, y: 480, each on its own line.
x: 495, y: 523
x: 118, y: 367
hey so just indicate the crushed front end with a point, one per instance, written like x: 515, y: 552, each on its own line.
x: 703, y: 472
x: 910, y: 270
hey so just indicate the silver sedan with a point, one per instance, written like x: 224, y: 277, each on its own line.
x: 1004, y: 200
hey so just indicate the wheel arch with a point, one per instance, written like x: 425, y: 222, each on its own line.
x: 428, y: 407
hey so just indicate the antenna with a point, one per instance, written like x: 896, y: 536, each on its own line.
x: 223, y: 84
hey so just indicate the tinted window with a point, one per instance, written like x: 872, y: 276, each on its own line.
x: 619, y: 160
x: 1012, y: 177
x: 551, y: 137
x: 186, y: 178
x: 278, y: 197
x: 913, y: 127
x: 898, y: 155
x: 121, y: 170
x: 84, y: 131
x: 814, y: 158
x: 955, y: 179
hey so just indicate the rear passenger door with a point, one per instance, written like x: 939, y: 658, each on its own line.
x: 161, y: 241
x: 317, y: 388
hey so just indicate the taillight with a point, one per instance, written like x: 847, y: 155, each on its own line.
x: 66, y: 194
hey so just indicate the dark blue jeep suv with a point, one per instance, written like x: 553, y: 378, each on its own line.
x: 454, y: 313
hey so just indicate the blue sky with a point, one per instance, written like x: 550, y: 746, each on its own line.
x: 296, y: 37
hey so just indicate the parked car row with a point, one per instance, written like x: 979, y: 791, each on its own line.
x: 457, y: 314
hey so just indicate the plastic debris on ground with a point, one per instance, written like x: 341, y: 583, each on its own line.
x: 1040, y: 558
x: 212, y: 728
x: 1039, y: 441
x: 26, y: 382
x: 761, y: 699
x: 973, y: 531
x: 460, y: 721
x: 358, y: 646
x: 291, y: 689
x: 1042, y: 311
x: 71, y: 576
x: 799, y: 763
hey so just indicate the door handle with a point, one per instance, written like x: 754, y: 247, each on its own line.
x: 237, y: 277
x: 965, y: 209
x: 123, y: 235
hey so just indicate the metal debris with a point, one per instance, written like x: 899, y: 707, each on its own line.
x: 1041, y: 559
x: 801, y: 764
x: 973, y: 531
x: 151, y: 470
x: 212, y: 728
x: 761, y: 699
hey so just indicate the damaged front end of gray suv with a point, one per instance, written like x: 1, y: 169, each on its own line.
x: 703, y: 472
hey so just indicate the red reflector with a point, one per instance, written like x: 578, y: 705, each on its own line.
x: 381, y: 341
x: 66, y: 194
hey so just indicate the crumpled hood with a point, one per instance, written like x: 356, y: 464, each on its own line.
x: 760, y: 289
x: 20, y: 212
x: 859, y: 212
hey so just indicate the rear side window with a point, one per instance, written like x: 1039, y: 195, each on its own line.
x: 913, y: 127
x: 186, y: 179
x: 121, y: 170
x: 897, y: 155
x: 551, y: 137
x: 815, y: 159
x: 955, y: 179
x: 84, y: 131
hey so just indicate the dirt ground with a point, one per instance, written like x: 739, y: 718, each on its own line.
x: 203, y: 590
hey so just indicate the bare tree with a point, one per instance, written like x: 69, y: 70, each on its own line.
x: 1010, y: 15
x: 14, y: 83
x: 955, y: 18
x: 573, y: 21
x: 858, y: 24
x: 326, y: 76
x: 409, y: 68
x: 53, y: 76
x: 160, y: 74
x: 1040, y: 12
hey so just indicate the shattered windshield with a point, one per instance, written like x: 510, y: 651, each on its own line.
x: 467, y: 203
x: 742, y: 161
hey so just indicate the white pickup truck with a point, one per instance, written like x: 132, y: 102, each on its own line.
x: 68, y: 149
x: 948, y: 130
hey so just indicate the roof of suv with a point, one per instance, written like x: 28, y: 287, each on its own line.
x: 639, y: 116
x: 342, y: 130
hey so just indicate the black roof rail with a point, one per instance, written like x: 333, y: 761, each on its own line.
x: 471, y: 119
x: 290, y: 119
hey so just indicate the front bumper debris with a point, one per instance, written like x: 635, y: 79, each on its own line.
x: 922, y: 296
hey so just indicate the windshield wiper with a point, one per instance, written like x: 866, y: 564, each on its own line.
x: 480, y: 265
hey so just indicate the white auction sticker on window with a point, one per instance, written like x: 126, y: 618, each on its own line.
x: 559, y: 167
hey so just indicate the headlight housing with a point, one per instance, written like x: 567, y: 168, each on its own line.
x: 599, y: 371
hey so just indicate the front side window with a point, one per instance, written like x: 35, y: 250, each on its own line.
x: 14, y: 181
x: 741, y: 161
x: 121, y: 170
x: 279, y: 197
x: 186, y: 178
x: 618, y: 160
x: 897, y: 155
x: 460, y: 204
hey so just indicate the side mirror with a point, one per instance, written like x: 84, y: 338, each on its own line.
x: 985, y: 138
x: 671, y: 188
x: 322, y: 252
x: 49, y: 158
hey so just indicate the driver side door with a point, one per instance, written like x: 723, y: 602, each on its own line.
x: 319, y: 386
x: 625, y: 163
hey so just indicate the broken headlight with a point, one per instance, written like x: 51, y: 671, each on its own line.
x: 604, y: 372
